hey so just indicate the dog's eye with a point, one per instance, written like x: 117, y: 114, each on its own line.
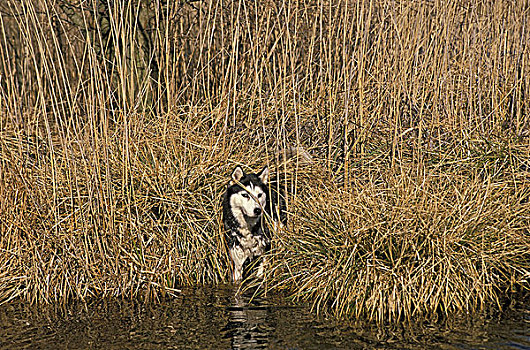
x: 245, y: 195
x: 260, y: 195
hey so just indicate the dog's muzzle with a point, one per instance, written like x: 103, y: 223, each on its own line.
x: 257, y: 211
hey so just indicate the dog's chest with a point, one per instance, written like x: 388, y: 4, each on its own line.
x: 253, y: 245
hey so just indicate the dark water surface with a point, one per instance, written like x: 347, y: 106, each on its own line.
x: 214, y: 318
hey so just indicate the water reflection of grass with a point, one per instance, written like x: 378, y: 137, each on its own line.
x: 119, y: 125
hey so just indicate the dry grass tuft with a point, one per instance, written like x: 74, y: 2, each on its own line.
x: 407, y: 245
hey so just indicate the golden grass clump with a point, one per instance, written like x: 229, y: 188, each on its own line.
x: 407, y: 245
x: 120, y: 122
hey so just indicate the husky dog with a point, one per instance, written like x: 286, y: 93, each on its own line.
x: 247, y: 203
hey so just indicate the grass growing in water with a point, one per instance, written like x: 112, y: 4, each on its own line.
x: 120, y: 123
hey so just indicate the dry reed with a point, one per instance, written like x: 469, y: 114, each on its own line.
x: 120, y: 121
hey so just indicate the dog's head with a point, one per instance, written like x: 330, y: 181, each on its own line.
x: 249, y: 191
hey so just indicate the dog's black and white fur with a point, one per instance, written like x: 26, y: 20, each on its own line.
x: 247, y: 202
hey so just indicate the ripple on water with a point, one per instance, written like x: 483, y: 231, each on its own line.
x: 215, y: 318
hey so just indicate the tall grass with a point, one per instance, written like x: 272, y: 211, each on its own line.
x: 120, y: 122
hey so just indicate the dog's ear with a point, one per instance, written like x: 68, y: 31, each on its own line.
x: 237, y: 174
x: 264, y: 175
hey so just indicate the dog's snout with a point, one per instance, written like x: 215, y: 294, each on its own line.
x: 257, y: 211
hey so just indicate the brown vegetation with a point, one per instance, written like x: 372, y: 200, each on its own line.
x: 120, y: 122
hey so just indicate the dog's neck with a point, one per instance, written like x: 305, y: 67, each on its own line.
x: 246, y: 224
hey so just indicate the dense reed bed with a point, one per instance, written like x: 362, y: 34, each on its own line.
x: 121, y: 121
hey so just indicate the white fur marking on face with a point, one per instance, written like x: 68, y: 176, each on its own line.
x: 236, y: 204
x: 256, y: 194
x: 244, y: 203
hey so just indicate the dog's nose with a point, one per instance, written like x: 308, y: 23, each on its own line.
x: 257, y: 211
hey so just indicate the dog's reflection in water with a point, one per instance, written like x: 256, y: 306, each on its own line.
x: 249, y: 324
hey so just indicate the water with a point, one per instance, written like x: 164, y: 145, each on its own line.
x: 214, y: 318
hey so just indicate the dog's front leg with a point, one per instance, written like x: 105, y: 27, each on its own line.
x: 238, y: 259
x: 237, y: 273
x: 261, y: 268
